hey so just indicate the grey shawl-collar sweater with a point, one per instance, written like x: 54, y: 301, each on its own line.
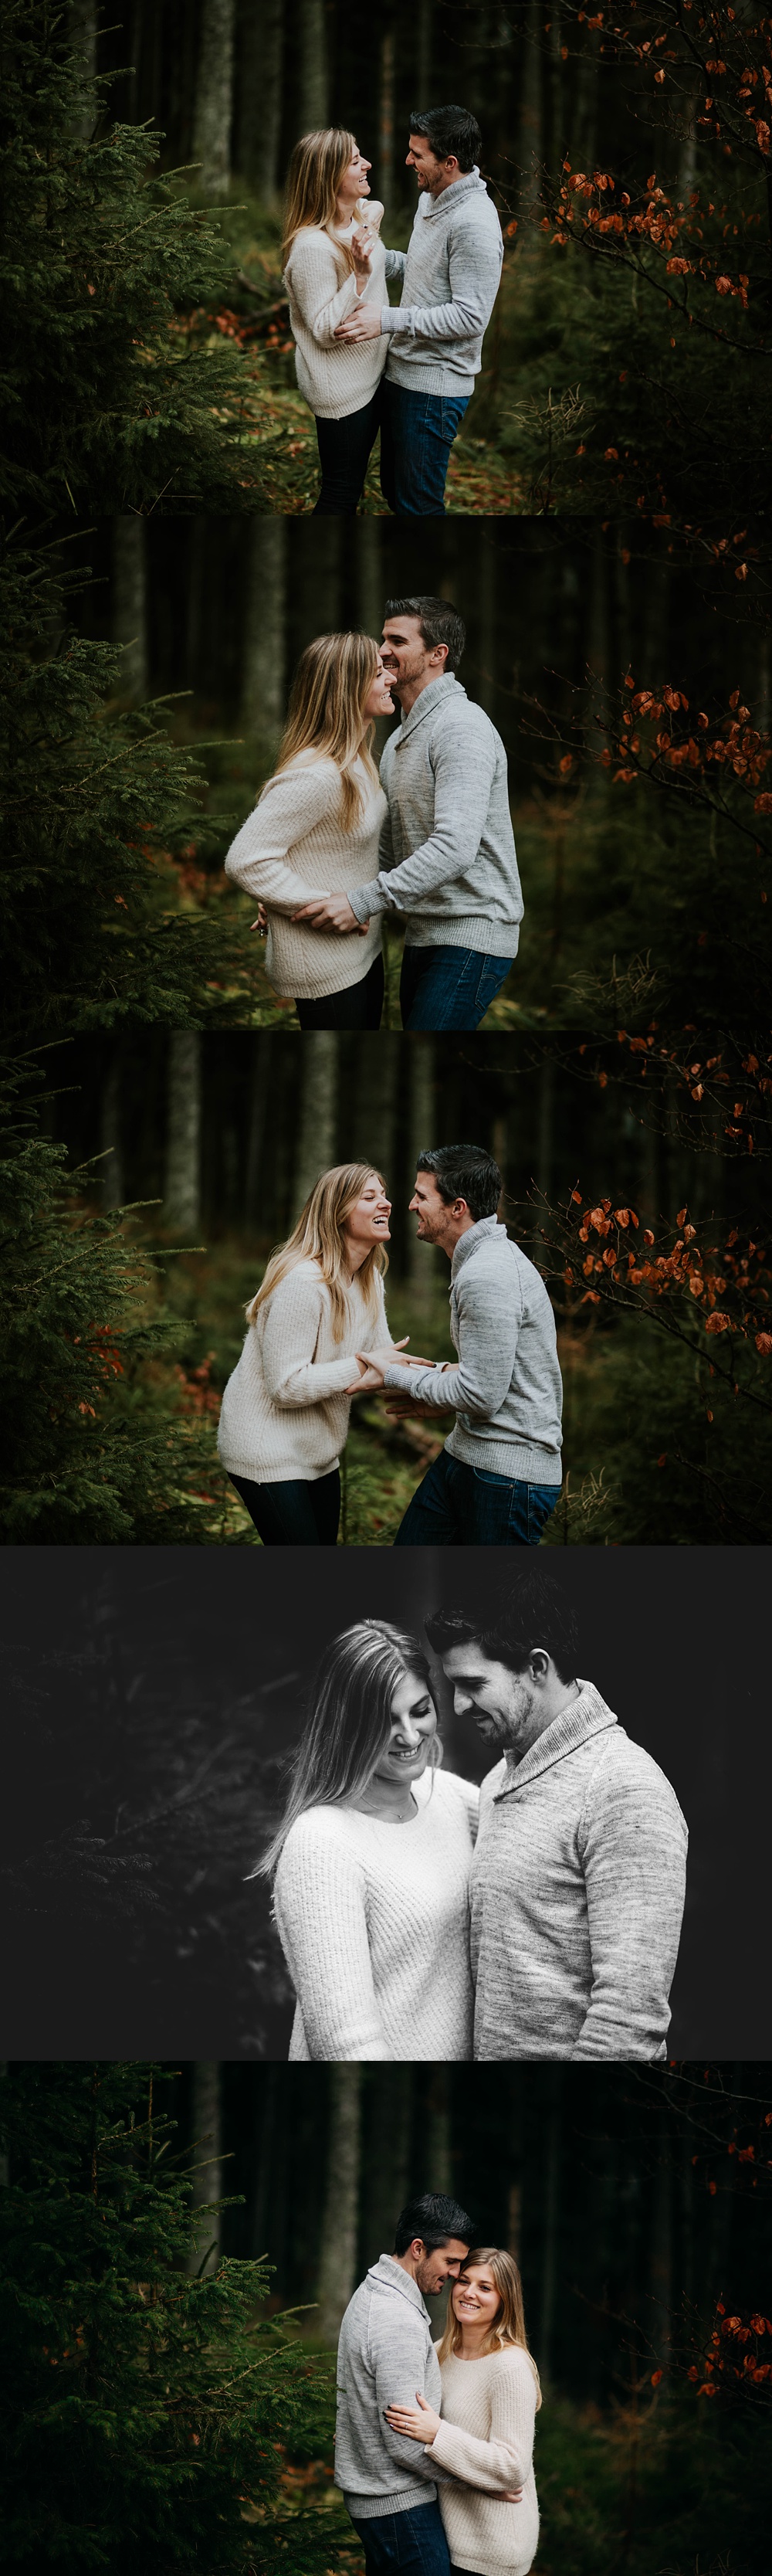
x: 507, y: 1389
x: 446, y: 855
x: 578, y: 1888
x: 385, y: 2353
x: 450, y: 279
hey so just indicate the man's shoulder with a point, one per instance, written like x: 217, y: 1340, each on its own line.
x: 457, y: 715
x: 621, y: 1761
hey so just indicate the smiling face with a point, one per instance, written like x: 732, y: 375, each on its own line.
x: 476, y: 2300
x: 379, y: 700
x: 368, y: 1221
x: 413, y: 1727
x: 408, y: 659
x: 354, y: 182
x: 444, y: 2264
x: 431, y: 174
x: 501, y: 1703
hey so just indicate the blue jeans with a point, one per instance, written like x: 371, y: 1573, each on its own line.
x: 412, y: 2543
x: 461, y: 1506
x: 417, y: 433
x: 448, y: 988
x: 297, y: 1513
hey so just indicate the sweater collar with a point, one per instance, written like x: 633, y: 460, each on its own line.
x: 387, y: 2270
x: 429, y: 698
x: 434, y: 209
x: 483, y: 1232
x: 582, y: 1718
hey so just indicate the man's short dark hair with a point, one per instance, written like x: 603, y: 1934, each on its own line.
x: 532, y: 1612
x: 434, y: 2219
x: 446, y: 130
x: 439, y: 622
x: 464, y: 1172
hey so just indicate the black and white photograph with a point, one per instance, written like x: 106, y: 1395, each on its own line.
x: 389, y: 1812
x: 385, y: 1101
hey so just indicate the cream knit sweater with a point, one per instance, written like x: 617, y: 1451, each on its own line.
x: 285, y: 1412
x: 292, y: 846
x: 486, y: 2439
x: 335, y: 377
x: 374, y: 1923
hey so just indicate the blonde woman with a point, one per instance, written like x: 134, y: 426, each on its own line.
x: 372, y: 1862
x: 315, y: 829
x: 285, y: 1411
x: 483, y: 2439
x: 334, y: 263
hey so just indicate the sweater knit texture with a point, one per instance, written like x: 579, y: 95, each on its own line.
x: 285, y: 1412
x: 292, y: 846
x: 486, y: 2440
x: 336, y: 377
x: 373, y: 1920
x: 450, y: 280
x: 507, y: 1388
x: 447, y: 853
x: 385, y: 2353
x: 577, y: 1895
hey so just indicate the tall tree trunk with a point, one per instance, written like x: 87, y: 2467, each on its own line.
x: 207, y: 2177
x: 260, y: 1075
x: 129, y: 605
x: 529, y: 141
x: 318, y: 1101
x: 337, y: 2265
x: 552, y: 2145
x: 264, y: 644
x: 258, y: 94
x: 375, y: 1103
x: 369, y: 577
x: 113, y: 1190
x: 83, y: 40
x: 385, y: 172
x: 313, y: 65
x: 486, y: 629
x: 214, y: 94
x: 182, y: 1179
x: 387, y: 2172
x: 436, y: 2147
x: 261, y: 2198
x: 597, y: 654
x: 546, y: 1131
x: 421, y: 1262
x: 423, y: 23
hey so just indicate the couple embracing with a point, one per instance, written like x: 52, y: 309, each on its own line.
x: 422, y: 1918
x: 331, y: 848
x: 364, y: 365
x: 434, y: 2440
x: 317, y: 1336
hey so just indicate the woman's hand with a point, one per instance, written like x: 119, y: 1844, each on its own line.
x: 330, y: 912
x: 419, y: 2423
x: 262, y: 919
x: 367, y: 1377
x: 362, y: 247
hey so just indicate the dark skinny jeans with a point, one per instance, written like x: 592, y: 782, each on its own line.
x: 345, y: 448
x: 296, y: 1513
x: 359, y: 1006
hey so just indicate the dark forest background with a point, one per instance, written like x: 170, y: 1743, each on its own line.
x: 645, y: 886
x: 635, y: 2200
x: 153, y: 1701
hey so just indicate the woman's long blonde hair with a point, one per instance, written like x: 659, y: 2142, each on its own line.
x: 509, y: 2322
x: 318, y: 1236
x: 326, y: 713
x: 317, y: 165
x: 349, y: 1721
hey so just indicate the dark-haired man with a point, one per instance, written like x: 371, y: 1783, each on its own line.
x: 450, y: 280
x: 499, y: 1474
x: 579, y: 1871
x: 385, y: 2357
x: 447, y: 854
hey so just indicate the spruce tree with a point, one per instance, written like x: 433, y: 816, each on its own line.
x: 95, y: 1445
x: 118, y: 391
x: 144, y: 2399
x: 101, y: 832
